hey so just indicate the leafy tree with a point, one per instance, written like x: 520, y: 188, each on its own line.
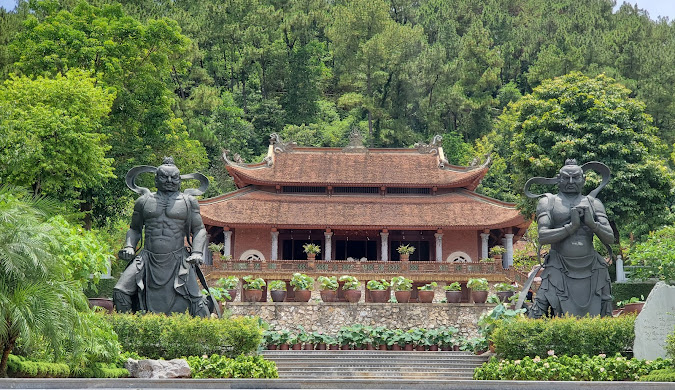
x: 136, y: 60
x: 39, y: 300
x: 51, y: 134
x: 575, y: 116
x: 655, y: 256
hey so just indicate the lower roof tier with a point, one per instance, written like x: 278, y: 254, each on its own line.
x: 458, y: 210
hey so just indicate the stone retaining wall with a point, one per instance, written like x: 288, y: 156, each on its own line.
x: 329, y: 317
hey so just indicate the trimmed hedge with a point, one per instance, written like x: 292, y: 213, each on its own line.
x: 628, y: 290
x: 158, y: 336
x: 19, y: 367
x: 565, y: 336
x: 664, y: 375
x: 216, y: 366
x: 570, y: 368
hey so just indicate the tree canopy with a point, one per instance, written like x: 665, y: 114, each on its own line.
x: 594, y: 119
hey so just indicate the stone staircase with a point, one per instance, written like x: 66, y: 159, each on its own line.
x: 375, y: 364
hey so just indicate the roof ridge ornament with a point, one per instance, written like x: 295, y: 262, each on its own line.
x: 279, y: 145
x: 355, y: 141
x: 236, y: 158
x: 432, y: 147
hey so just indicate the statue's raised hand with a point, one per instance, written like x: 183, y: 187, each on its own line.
x: 575, y: 220
x: 195, y: 258
x: 127, y: 253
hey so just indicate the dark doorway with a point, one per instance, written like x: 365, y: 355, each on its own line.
x: 356, y: 249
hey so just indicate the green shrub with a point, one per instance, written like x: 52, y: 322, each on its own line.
x: 670, y: 345
x: 102, y: 370
x: 18, y: 366
x: 159, y: 336
x: 566, y: 336
x: 625, y: 291
x: 664, y: 375
x: 569, y: 368
x: 216, y: 366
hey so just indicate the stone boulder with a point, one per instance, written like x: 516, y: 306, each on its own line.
x: 655, y: 322
x: 158, y: 369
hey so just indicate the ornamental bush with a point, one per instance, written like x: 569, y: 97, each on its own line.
x: 569, y: 368
x: 159, y: 336
x: 216, y: 366
x: 566, y: 336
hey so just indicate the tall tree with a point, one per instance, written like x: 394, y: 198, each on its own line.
x: 51, y: 134
x: 575, y: 116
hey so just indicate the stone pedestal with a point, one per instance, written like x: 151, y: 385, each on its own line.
x: 655, y: 323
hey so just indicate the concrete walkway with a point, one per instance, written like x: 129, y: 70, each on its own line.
x: 206, y: 384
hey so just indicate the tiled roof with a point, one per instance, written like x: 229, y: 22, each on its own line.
x: 458, y: 210
x: 370, y: 167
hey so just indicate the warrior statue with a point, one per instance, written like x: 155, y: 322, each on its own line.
x: 575, y: 279
x: 162, y: 277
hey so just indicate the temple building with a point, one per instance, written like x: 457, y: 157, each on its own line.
x: 359, y: 204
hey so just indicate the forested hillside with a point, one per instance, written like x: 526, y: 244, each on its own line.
x: 191, y: 77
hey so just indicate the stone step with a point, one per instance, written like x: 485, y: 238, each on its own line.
x: 422, y: 365
x: 376, y: 374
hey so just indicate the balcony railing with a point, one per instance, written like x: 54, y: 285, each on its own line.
x: 416, y: 270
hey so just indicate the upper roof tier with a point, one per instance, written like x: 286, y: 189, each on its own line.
x: 422, y: 166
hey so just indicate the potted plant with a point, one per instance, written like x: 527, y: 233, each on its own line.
x: 331, y: 342
x: 505, y: 291
x: 405, y: 251
x: 453, y: 292
x: 328, y: 286
x: 311, y: 250
x: 277, y: 290
x: 426, y: 292
x: 253, y: 288
x: 379, y: 292
x: 496, y: 252
x: 230, y: 284
x: 479, y: 289
x: 284, y: 339
x: 632, y: 305
x: 351, y: 288
x: 402, y: 288
x: 302, y: 285
x: 218, y: 293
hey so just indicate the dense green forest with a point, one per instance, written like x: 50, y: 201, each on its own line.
x: 93, y: 88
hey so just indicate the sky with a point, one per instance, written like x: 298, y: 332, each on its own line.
x: 655, y: 8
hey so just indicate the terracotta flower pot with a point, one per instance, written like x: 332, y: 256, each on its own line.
x: 105, y: 303
x: 329, y: 295
x: 278, y: 295
x: 433, y: 348
x: 382, y: 347
x: 284, y: 346
x: 302, y: 295
x: 505, y: 295
x: 370, y: 347
x: 309, y: 347
x: 425, y: 296
x: 271, y: 346
x: 344, y: 347
x: 352, y: 296
x: 334, y: 348
x: 233, y: 294
x: 635, y: 307
x: 453, y: 296
x: 321, y: 346
x: 379, y: 296
x: 252, y: 295
x: 408, y: 347
x: 395, y: 347
x: 479, y: 296
x: 404, y: 256
x: 402, y: 296
x: 297, y: 346
x: 420, y: 348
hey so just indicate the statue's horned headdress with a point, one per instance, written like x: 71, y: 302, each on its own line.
x: 596, y: 166
x: 137, y: 170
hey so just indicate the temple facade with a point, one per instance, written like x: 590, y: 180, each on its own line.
x: 359, y: 204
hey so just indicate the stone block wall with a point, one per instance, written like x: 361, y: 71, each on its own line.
x: 329, y: 317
